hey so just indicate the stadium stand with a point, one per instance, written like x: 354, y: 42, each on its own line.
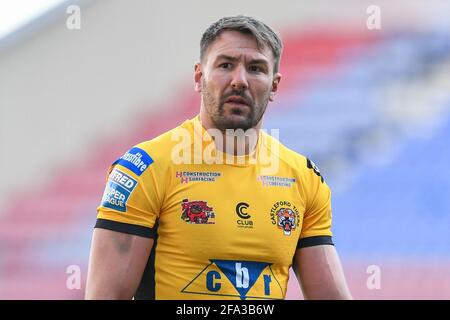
x: 342, y: 105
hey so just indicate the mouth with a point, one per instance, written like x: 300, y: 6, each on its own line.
x: 236, y: 101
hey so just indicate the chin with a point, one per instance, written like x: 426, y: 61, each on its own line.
x: 238, y: 122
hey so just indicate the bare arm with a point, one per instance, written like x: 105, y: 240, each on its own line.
x: 116, y: 264
x: 320, y: 273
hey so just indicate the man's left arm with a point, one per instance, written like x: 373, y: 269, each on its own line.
x: 316, y: 262
x: 319, y: 272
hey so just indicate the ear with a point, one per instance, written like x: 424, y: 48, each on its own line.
x: 275, y: 83
x: 198, y: 77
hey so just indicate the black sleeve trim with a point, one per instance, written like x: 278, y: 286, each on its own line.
x: 314, y: 241
x: 126, y: 228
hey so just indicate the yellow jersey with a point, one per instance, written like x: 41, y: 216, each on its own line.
x: 225, y: 227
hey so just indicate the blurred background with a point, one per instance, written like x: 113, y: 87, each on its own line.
x: 365, y: 95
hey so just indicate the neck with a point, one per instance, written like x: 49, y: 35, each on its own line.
x: 236, y: 142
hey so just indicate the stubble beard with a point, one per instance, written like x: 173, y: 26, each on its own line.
x: 219, y: 118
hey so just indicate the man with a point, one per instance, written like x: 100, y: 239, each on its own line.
x: 216, y: 208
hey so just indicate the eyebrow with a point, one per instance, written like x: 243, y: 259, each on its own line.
x: 234, y: 59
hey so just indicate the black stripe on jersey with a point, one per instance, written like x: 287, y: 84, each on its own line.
x: 314, y: 241
x: 126, y: 228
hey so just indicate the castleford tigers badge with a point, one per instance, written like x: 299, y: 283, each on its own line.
x: 285, y: 216
x: 196, y: 212
x: 286, y: 220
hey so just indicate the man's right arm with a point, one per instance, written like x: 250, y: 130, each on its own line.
x: 116, y: 264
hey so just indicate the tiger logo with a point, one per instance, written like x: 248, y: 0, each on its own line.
x: 286, y: 220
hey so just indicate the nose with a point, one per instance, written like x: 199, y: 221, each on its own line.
x: 239, y: 80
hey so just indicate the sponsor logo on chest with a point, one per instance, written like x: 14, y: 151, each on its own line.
x: 197, y: 176
x: 273, y: 181
x: 244, y: 218
x: 197, y: 212
x: 234, y: 278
